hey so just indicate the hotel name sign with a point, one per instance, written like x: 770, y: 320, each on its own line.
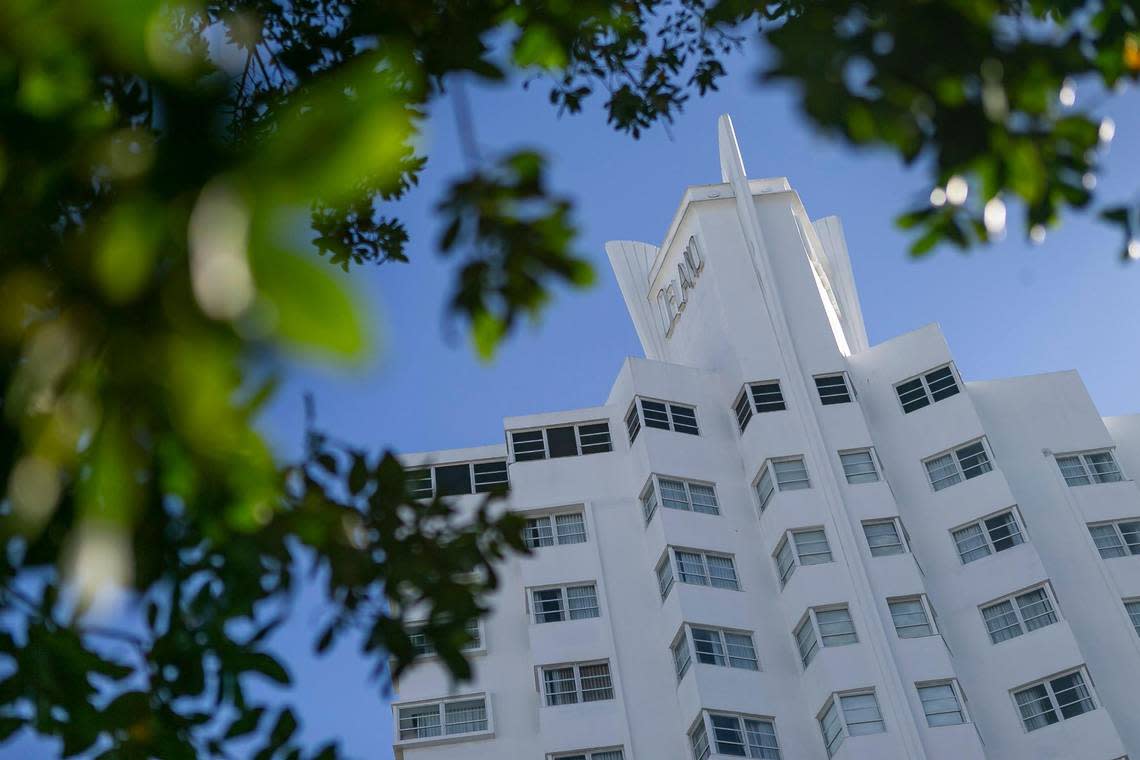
x: 673, y: 296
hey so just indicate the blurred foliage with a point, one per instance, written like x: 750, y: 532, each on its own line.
x: 157, y: 160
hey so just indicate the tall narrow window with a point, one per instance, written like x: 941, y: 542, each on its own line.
x: 664, y: 575
x: 940, y: 704
x: 926, y: 389
x: 859, y: 466
x: 910, y: 618
x: 883, y: 537
x: 1054, y: 700
x: 649, y: 500
x: 1089, y: 467
x: 699, y: 740
x: 785, y: 561
x: 681, y: 656
x: 832, y: 389
x: 743, y: 409
x: 632, y: 422
x: 764, y: 487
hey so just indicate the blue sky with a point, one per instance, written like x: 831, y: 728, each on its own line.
x: 1011, y: 309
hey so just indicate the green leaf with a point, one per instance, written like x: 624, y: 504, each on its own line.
x: 310, y: 308
x: 245, y: 723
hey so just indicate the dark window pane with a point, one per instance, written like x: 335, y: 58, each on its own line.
x: 655, y: 414
x: 491, y: 476
x: 595, y: 438
x: 832, y: 389
x: 912, y: 394
x: 562, y: 442
x: 452, y: 479
x: 942, y: 383
x: 528, y: 445
x: 768, y: 397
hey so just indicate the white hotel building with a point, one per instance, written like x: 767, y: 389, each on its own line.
x: 774, y: 540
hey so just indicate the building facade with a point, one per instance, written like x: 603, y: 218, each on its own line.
x: 774, y: 540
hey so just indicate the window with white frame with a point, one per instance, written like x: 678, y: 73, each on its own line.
x: 424, y: 647
x: 791, y: 473
x: 665, y: 415
x: 1132, y: 607
x: 685, y: 495
x: 632, y: 423
x: 954, y: 466
x: 555, y: 529
x: 457, y: 479
x: 577, y: 682
x: 1054, y: 699
x: 884, y: 537
x: 699, y: 569
x: 758, y: 397
x: 941, y: 703
x: 699, y: 740
x: 785, y: 560
x: 735, y: 735
x: 830, y: 626
x: 561, y: 441
x: 649, y: 500
x: 682, y: 654
x: 1013, y: 615
x: 988, y: 536
x: 449, y: 717
x: 664, y: 573
x: 764, y: 486
x: 1116, y: 539
x: 832, y: 389
x: 910, y: 616
x: 859, y: 466
x: 716, y: 646
x: 927, y: 388
x: 1089, y: 467
x: 850, y: 714
x: 811, y: 546
x: 613, y: 753
x: 558, y: 603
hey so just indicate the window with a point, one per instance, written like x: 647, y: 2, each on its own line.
x: 1053, y: 700
x: 553, y: 605
x: 561, y: 528
x: 715, y: 646
x: 632, y: 423
x: 987, y: 536
x: 701, y: 569
x: 910, y: 617
x: 570, y: 684
x: 761, y: 397
x: 962, y: 463
x: 699, y: 739
x: 832, y: 389
x: 1116, y: 539
x: 1019, y: 613
x: 859, y: 466
x: 453, y: 717
x: 940, y: 704
x: 593, y: 754
x: 764, y: 487
x: 811, y: 546
x: 785, y: 561
x: 686, y: 495
x: 849, y: 715
x: 649, y: 500
x: 1132, y: 607
x: 744, y: 735
x: 681, y: 655
x: 664, y: 575
x: 455, y: 479
x: 926, y: 389
x: 831, y: 626
x: 883, y: 537
x: 562, y: 441
x: 743, y: 409
x: 666, y: 415
x: 424, y: 648
x: 1090, y: 467
x: 791, y: 474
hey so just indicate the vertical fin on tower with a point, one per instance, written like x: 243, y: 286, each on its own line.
x: 631, y: 261
x: 731, y: 162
